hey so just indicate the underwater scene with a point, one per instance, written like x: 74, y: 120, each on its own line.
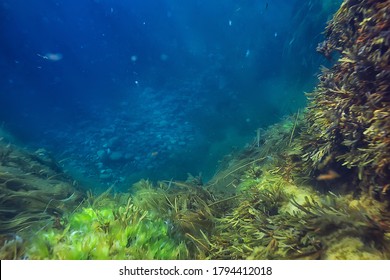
x: 203, y: 129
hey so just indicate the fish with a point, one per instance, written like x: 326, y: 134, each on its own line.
x: 51, y: 56
x: 330, y: 175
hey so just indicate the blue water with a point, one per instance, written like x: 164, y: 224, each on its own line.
x: 122, y: 90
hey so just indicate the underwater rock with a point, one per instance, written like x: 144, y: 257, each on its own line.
x: 116, y: 156
x: 101, y: 153
x: 123, y: 138
x: 105, y: 176
x: 112, y: 142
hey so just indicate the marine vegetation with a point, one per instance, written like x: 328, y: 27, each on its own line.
x: 271, y: 212
x: 186, y: 207
x: 108, y: 227
x: 314, y: 186
x: 279, y: 213
x: 34, y: 194
x: 348, y: 118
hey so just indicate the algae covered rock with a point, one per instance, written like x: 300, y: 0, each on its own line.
x: 348, y: 118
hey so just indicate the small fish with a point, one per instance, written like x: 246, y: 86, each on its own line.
x: 51, y: 56
x: 330, y: 175
x: 153, y: 154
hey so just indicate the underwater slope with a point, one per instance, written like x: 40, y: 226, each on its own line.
x: 314, y: 186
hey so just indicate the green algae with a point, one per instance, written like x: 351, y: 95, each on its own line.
x: 121, y: 232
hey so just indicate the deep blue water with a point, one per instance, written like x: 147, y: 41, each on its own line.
x: 119, y: 90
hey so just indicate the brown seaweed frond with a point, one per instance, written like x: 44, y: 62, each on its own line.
x: 33, y: 191
x: 348, y: 118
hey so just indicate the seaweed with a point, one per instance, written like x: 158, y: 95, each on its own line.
x: 33, y: 195
x: 120, y: 231
x: 314, y: 186
x: 348, y: 118
x: 252, y: 231
x: 184, y: 206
